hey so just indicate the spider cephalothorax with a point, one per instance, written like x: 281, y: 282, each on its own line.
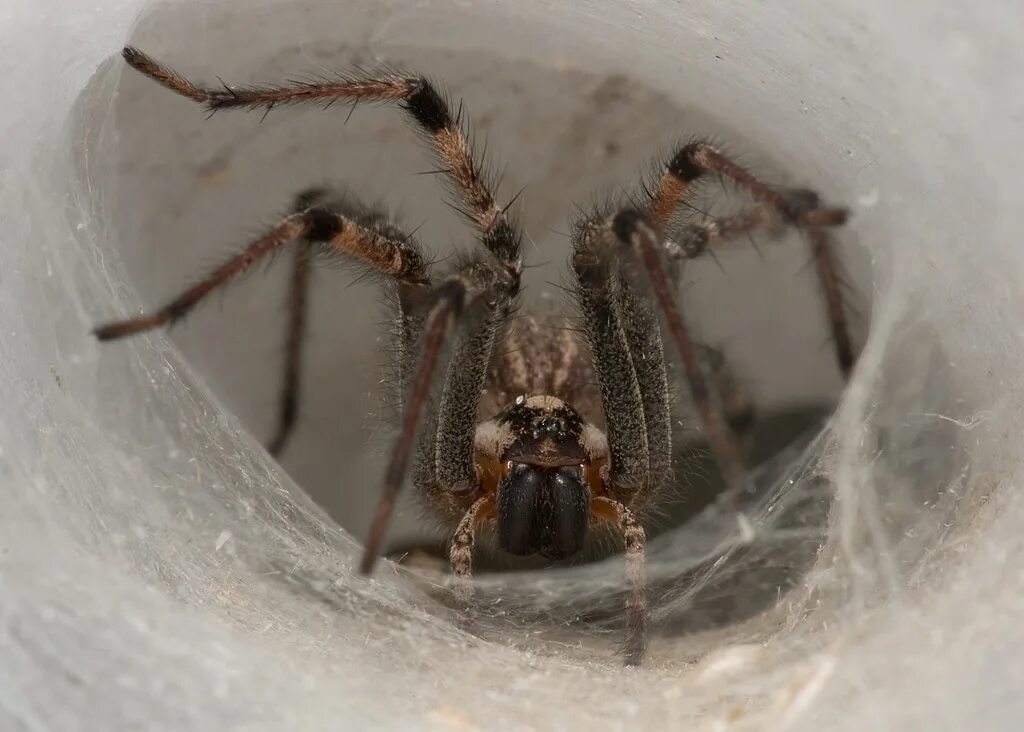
x: 542, y: 464
x: 542, y: 430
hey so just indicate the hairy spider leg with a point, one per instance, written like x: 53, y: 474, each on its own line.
x: 428, y: 109
x: 624, y: 336
x: 798, y: 207
x: 292, y: 228
x: 476, y: 298
x: 634, y: 230
x: 334, y: 227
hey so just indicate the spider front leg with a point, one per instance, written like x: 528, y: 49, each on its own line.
x: 475, y: 301
x: 625, y: 340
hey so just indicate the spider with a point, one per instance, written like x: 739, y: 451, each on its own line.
x: 540, y: 429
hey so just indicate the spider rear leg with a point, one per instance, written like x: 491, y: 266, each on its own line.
x: 637, y: 235
x: 696, y: 159
x: 298, y: 296
x: 291, y: 383
x: 832, y: 290
x: 796, y: 207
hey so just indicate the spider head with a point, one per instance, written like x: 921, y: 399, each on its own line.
x: 544, y: 464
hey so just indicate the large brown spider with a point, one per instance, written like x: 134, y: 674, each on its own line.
x: 518, y: 434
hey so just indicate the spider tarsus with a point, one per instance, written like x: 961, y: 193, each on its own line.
x: 298, y: 295
x: 635, y: 647
x: 276, y: 446
x: 367, y: 563
x: 825, y: 217
x: 135, y: 57
x: 120, y: 329
x: 828, y: 275
x: 799, y: 201
x: 163, y: 75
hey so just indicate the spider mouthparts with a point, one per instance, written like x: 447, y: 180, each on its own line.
x: 543, y: 510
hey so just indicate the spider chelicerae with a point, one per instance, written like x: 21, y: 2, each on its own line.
x: 541, y: 428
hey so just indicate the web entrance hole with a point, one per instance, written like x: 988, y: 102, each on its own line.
x: 189, y: 189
